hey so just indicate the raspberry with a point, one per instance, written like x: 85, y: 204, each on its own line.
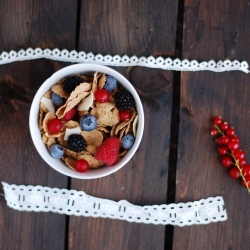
x: 124, y: 100
x: 70, y: 83
x: 108, y: 151
x: 76, y: 143
x: 69, y: 115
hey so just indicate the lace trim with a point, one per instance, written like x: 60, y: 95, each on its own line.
x: 72, y: 202
x: 151, y: 62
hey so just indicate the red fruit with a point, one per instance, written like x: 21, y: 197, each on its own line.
x: 238, y: 154
x: 54, y: 126
x: 81, y: 165
x: 224, y: 126
x: 108, y: 151
x: 69, y: 115
x: 226, y: 161
x: 233, y: 144
x: 242, y: 162
x: 247, y: 179
x: 246, y: 170
x: 234, y: 137
x: 234, y: 173
x: 214, y: 132
x: 230, y: 131
x: 101, y: 95
x: 224, y: 140
x: 219, y: 140
x: 125, y: 115
x: 222, y: 150
x: 217, y: 120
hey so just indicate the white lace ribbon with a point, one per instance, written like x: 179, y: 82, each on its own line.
x: 72, y: 202
x: 151, y: 62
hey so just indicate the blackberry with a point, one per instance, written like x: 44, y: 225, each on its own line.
x: 76, y: 143
x: 70, y: 83
x: 124, y: 100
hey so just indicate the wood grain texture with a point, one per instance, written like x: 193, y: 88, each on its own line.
x: 29, y: 24
x: 130, y: 27
x: 213, y: 30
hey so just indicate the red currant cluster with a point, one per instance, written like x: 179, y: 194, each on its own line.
x: 232, y: 157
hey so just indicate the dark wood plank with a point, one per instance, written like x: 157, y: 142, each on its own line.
x: 213, y: 30
x: 142, y: 29
x: 29, y: 24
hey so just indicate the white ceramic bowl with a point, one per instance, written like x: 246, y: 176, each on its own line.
x: 59, y: 165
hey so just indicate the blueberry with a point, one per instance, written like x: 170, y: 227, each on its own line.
x: 57, y: 100
x: 56, y: 151
x: 88, y: 122
x: 110, y: 84
x: 127, y: 141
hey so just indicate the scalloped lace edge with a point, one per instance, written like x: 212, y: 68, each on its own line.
x: 72, y: 202
x: 151, y: 62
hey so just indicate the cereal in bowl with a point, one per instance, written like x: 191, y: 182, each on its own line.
x: 88, y: 122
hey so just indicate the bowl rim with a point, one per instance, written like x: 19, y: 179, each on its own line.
x: 82, y: 68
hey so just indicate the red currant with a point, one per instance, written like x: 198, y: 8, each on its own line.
x: 234, y: 173
x: 233, y: 144
x: 214, y: 132
x: 219, y: 140
x: 246, y: 170
x: 222, y: 150
x: 69, y: 115
x: 54, y: 126
x: 224, y: 126
x: 230, y: 131
x: 238, y: 154
x: 81, y: 165
x: 224, y: 139
x: 217, y: 120
x: 226, y: 161
x: 247, y: 179
x: 234, y: 137
x: 101, y: 95
x: 125, y: 115
x: 242, y: 162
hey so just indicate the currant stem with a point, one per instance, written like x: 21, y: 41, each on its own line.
x: 218, y: 129
x: 236, y: 162
x: 241, y: 174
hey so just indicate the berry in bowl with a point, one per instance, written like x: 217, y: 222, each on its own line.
x: 86, y: 121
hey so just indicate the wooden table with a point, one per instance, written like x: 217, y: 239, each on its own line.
x: 177, y: 159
